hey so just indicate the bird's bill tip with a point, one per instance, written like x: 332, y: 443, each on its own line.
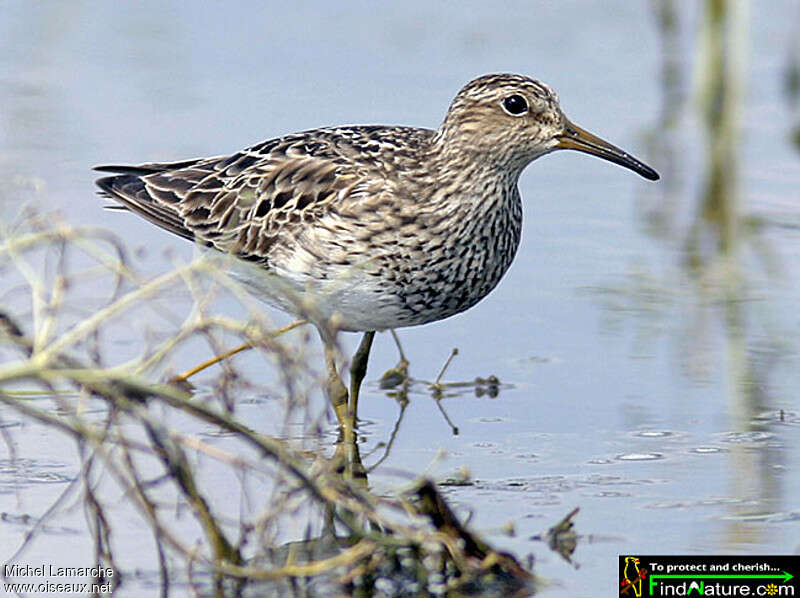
x: 581, y: 140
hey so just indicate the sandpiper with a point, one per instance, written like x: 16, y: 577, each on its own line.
x: 365, y: 228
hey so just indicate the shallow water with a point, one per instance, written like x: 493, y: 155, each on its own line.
x: 648, y: 356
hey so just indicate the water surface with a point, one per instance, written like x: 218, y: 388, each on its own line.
x: 645, y: 337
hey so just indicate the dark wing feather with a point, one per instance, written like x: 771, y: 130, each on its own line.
x: 142, y: 169
x: 131, y: 191
x: 244, y: 202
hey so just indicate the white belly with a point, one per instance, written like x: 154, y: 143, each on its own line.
x: 353, y: 301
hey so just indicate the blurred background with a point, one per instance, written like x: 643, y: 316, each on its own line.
x: 646, y: 337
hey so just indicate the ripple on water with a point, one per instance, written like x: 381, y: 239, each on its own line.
x: 485, y: 444
x: 527, y: 456
x: 703, y: 502
x: 707, y: 450
x: 754, y: 437
x: 786, y: 517
x: 48, y: 477
x: 20, y: 472
x: 654, y: 433
x: 28, y: 521
x: 639, y: 457
x: 780, y: 416
x: 611, y: 494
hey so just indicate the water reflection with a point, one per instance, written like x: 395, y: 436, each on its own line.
x: 398, y: 387
x: 716, y: 241
x: 791, y: 83
x: 406, y: 571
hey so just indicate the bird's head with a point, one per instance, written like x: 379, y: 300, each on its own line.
x: 510, y: 120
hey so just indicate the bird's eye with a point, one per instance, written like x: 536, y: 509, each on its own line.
x: 515, y: 105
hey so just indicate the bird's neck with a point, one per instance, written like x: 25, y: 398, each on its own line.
x: 472, y: 185
x: 479, y: 205
x: 477, y: 153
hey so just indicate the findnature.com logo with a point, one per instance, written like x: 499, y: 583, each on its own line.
x: 715, y: 575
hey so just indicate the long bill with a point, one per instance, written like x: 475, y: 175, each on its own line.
x: 581, y: 140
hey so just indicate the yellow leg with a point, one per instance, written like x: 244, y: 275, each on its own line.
x: 346, y: 408
x: 183, y: 378
x: 337, y: 392
x: 358, y: 369
x: 337, y: 395
x: 347, y: 459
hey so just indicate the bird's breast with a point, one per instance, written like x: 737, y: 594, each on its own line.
x: 403, y: 268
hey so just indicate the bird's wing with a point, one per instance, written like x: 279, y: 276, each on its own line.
x: 240, y: 203
x: 128, y: 187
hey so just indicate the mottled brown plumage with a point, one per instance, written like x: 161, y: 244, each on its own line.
x: 379, y: 226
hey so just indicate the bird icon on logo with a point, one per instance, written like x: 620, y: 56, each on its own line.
x: 632, y: 575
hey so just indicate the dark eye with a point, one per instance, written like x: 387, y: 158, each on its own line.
x: 515, y: 105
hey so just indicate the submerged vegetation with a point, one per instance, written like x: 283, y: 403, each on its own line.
x: 297, y: 513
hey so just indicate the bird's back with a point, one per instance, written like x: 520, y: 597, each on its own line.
x: 246, y: 202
